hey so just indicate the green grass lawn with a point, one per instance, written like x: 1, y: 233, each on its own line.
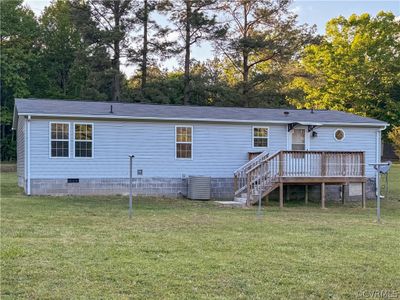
x: 86, y: 247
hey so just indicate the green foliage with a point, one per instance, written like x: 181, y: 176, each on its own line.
x: 19, y: 52
x: 73, y: 51
x: 19, y: 31
x: 106, y: 24
x: 394, y: 136
x: 151, y: 45
x: 162, y: 87
x: 194, y: 22
x: 356, y: 68
x: 61, y: 44
x: 262, y: 36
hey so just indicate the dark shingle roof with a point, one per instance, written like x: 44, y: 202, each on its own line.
x: 174, y: 112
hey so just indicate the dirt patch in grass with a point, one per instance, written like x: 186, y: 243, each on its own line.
x: 6, y: 167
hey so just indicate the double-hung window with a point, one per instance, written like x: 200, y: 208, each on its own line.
x: 83, y: 140
x: 260, y: 137
x: 59, y: 139
x: 183, y: 142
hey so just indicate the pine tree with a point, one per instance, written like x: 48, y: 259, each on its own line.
x: 109, y: 24
x: 260, y: 32
x: 153, y: 40
x: 194, y: 22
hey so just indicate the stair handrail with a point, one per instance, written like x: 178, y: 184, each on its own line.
x: 251, y: 161
x: 240, y: 176
x: 262, y: 176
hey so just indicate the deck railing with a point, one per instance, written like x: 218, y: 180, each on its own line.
x: 322, y: 163
x: 261, y: 172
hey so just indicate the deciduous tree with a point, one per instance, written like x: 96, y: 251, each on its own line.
x: 19, y: 51
x: 356, y: 68
x: 61, y: 44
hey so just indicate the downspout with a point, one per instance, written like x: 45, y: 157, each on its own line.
x: 28, y: 156
x: 25, y: 152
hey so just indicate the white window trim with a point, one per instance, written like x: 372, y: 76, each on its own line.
x: 69, y: 140
x: 184, y: 126
x: 73, y: 147
x: 344, y: 135
x: 253, y: 137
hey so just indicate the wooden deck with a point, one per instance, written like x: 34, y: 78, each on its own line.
x: 264, y: 173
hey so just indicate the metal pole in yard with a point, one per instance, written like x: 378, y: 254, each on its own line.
x: 259, y: 205
x: 378, y: 197
x: 380, y: 168
x: 130, y: 185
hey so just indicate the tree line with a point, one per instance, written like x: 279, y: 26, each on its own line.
x: 262, y: 56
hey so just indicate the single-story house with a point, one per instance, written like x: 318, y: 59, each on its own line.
x: 82, y: 147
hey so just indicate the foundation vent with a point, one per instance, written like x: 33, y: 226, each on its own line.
x: 73, y: 180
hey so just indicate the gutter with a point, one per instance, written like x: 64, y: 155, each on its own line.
x: 196, y: 120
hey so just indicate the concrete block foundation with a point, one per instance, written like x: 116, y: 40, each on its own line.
x: 221, y: 188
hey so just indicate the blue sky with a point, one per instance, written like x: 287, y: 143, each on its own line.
x: 319, y: 12
x: 316, y: 12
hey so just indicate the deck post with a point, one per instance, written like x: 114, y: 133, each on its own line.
x: 342, y: 193
x: 323, y: 195
x: 306, y: 194
x: 280, y: 163
x: 235, y: 183
x: 363, y: 202
x: 287, y: 192
x: 280, y: 195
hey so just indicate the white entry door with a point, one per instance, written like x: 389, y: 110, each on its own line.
x: 299, y: 140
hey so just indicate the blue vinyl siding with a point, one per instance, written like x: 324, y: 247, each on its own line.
x: 218, y: 148
x: 356, y: 139
x: 21, y: 148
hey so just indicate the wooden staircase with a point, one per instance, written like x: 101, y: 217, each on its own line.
x: 258, y: 177
x: 264, y: 173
